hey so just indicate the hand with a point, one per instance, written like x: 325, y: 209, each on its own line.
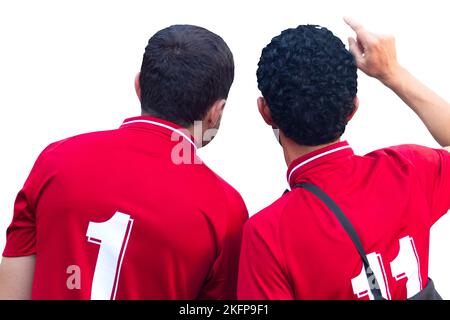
x: 375, y: 54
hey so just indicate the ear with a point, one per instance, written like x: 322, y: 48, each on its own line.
x: 265, y: 111
x: 214, y: 114
x: 355, y: 108
x: 137, y: 85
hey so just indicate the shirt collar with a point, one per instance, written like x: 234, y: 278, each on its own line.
x: 314, y: 158
x: 173, y: 130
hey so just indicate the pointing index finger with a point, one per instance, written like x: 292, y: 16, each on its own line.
x: 364, y: 37
x: 356, y: 26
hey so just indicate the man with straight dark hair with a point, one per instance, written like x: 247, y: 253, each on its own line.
x: 133, y: 213
x: 352, y: 227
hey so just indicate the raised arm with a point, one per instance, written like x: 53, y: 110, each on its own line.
x: 376, y: 56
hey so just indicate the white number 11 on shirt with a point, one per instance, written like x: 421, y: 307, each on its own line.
x: 405, y: 265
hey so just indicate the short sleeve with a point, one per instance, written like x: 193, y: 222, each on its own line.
x: 432, y: 167
x: 21, y: 233
x: 261, y: 277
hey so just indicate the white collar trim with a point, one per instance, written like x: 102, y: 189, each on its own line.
x: 320, y: 155
x: 181, y: 133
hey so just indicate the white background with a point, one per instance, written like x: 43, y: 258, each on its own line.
x: 67, y: 67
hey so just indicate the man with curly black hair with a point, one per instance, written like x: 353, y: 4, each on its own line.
x: 352, y: 227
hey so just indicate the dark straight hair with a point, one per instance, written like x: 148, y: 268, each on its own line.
x: 185, y: 70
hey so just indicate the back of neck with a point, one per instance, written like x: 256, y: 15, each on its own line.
x: 293, y: 151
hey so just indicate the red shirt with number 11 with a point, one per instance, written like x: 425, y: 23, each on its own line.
x: 297, y: 249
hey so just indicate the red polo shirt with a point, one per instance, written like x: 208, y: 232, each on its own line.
x: 297, y: 249
x: 130, y: 213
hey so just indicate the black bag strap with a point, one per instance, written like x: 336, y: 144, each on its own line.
x: 373, y: 283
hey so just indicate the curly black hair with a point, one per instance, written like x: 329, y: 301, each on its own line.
x: 309, y: 81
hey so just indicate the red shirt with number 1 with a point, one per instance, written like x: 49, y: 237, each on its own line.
x: 119, y: 215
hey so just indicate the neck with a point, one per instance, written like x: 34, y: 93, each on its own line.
x: 192, y: 130
x: 294, y: 151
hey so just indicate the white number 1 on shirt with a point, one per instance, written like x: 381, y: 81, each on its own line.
x: 112, y: 237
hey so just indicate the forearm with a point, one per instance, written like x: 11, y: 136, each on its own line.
x: 433, y: 110
x: 16, y: 277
